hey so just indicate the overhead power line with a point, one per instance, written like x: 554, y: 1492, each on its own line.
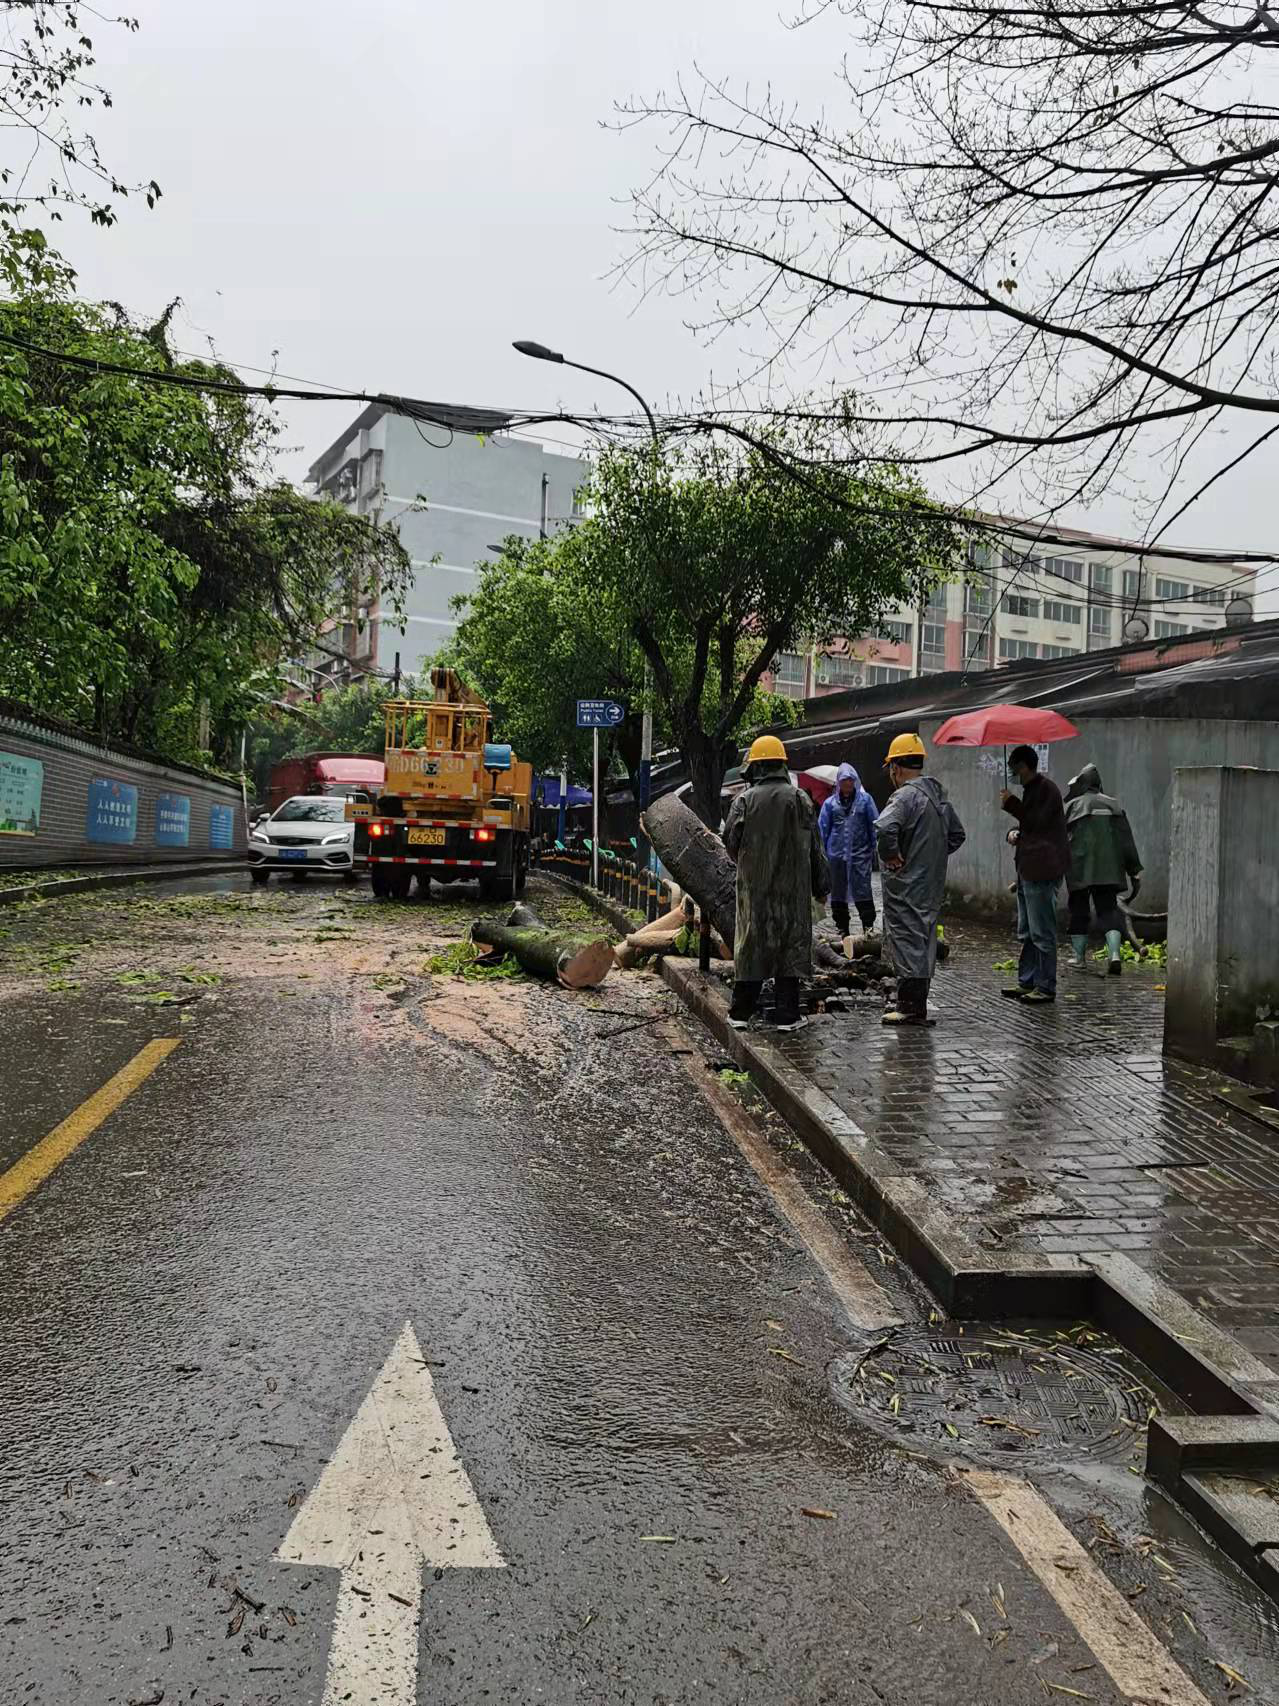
x: 463, y: 418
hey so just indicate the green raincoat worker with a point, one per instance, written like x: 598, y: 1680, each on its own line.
x: 771, y: 835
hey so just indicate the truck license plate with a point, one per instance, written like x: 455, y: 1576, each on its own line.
x: 426, y: 838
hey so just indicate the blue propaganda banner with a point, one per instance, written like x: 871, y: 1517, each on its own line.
x: 112, y: 813
x: 222, y: 827
x: 172, y: 820
x: 21, y: 784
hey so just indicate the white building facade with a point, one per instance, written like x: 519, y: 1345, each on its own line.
x: 1084, y: 592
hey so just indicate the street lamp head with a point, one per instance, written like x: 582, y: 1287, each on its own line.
x: 539, y: 352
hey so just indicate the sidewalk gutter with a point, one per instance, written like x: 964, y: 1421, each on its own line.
x: 1211, y: 1461
x: 45, y: 890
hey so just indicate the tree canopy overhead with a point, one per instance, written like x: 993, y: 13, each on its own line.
x: 1029, y: 233
x: 705, y: 565
x: 153, y: 575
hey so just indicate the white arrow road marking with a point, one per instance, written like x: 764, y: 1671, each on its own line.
x: 394, y: 1497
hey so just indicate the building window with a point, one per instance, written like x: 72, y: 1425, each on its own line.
x: 977, y: 600
x: 1059, y: 651
x: 1016, y: 604
x: 1017, y: 649
x: 1067, y: 615
x: 880, y: 673
x: 1172, y: 590
x: 370, y: 473
x: 894, y: 633
x: 790, y: 670
x: 933, y: 645
x: 1099, y: 620
x: 1209, y: 595
x: 1065, y: 568
x: 1103, y: 578
x: 1133, y: 584
x: 838, y: 671
x: 936, y: 605
x: 1170, y: 630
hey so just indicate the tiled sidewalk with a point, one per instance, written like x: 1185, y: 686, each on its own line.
x: 1064, y: 1128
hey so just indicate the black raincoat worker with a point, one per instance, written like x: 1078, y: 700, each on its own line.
x: 771, y: 835
x: 917, y: 832
x: 1103, y: 860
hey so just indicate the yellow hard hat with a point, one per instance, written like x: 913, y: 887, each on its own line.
x: 766, y: 746
x: 905, y: 746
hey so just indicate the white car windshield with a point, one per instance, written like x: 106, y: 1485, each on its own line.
x: 302, y: 810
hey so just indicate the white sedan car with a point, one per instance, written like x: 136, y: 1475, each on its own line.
x: 307, y: 833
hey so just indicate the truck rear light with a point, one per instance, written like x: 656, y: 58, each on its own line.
x: 483, y: 834
x: 377, y: 829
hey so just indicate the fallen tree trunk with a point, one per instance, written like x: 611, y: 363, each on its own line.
x: 576, y: 962
x: 696, y: 858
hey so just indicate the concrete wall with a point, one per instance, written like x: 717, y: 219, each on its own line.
x: 90, y: 804
x: 1136, y: 757
x: 1223, y: 923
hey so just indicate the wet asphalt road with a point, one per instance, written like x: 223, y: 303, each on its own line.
x: 195, y: 1303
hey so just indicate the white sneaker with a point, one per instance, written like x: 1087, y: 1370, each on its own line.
x: 794, y: 1024
x: 738, y: 1024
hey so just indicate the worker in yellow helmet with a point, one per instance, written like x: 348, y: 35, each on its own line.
x: 771, y: 835
x: 916, y: 834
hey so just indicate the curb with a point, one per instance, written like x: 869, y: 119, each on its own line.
x: 1201, y: 1460
x: 109, y: 879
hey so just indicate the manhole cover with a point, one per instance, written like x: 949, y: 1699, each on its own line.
x: 995, y: 1392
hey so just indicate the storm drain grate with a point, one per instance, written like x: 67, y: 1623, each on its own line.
x: 992, y: 1393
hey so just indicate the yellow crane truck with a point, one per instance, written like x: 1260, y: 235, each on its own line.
x: 455, y: 805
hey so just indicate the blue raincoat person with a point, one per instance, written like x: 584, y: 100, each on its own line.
x: 847, y: 828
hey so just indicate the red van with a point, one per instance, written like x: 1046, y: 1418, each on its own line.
x: 325, y: 773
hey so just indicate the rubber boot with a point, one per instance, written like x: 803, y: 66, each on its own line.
x: 839, y: 913
x: 866, y: 912
x: 1114, y: 941
x: 1080, y: 946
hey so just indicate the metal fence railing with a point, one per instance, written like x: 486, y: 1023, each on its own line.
x: 621, y: 880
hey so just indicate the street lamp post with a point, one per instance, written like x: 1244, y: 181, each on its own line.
x: 540, y: 352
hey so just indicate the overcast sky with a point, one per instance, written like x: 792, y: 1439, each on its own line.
x: 386, y: 193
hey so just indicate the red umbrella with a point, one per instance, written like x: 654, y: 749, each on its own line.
x: 1004, y: 725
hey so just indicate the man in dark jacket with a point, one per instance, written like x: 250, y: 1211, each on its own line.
x: 1043, y: 858
x: 771, y: 835
x: 1103, y: 860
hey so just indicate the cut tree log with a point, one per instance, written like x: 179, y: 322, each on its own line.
x: 697, y: 859
x: 576, y: 961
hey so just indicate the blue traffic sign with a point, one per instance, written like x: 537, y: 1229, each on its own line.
x: 599, y: 713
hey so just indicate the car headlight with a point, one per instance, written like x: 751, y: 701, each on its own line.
x: 257, y: 835
x: 333, y: 840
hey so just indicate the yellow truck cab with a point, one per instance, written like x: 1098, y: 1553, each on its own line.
x: 455, y: 805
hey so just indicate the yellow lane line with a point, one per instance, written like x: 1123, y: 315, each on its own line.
x: 36, y: 1165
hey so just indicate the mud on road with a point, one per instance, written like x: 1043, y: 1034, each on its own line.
x: 632, y: 1337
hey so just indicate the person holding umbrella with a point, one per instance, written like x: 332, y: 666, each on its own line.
x: 917, y: 832
x: 1043, y: 859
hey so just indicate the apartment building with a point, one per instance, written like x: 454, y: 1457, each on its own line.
x: 1082, y: 593
x: 453, y: 495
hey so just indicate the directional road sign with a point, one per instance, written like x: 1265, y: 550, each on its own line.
x: 599, y: 713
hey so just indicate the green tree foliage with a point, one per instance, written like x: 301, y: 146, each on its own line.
x: 345, y: 719
x: 706, y: 564
x: 534, y: 638
x: 152, y: 574
x: 49, y: 160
